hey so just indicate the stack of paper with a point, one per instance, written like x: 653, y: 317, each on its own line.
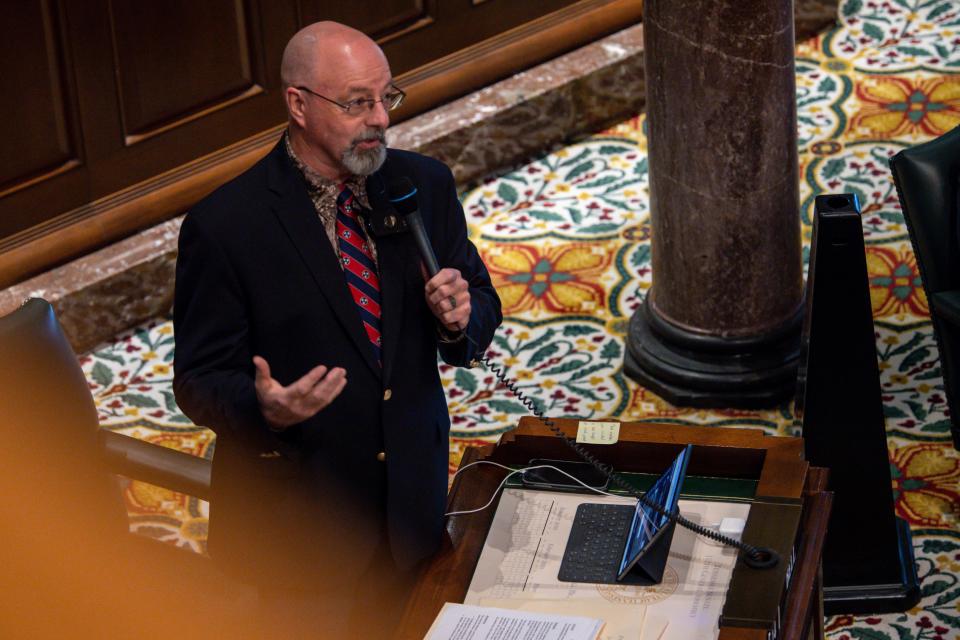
x: 466, y: 622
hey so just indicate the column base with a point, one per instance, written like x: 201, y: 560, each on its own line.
x: 695, y: 370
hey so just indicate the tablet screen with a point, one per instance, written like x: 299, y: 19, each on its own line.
x: 647, y: 523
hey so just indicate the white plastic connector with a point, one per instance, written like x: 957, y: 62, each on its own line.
x: 732, y: 527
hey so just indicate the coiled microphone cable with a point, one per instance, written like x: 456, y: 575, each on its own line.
x: 753, y: 556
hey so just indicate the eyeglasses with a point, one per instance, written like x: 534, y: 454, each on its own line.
x: 390, y: 100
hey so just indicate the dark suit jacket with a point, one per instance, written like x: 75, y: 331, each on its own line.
x: 256, y: 275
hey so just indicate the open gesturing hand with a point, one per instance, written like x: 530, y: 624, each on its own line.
x: 284, y: 406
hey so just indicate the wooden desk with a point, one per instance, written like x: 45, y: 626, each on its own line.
x: 776, y: 464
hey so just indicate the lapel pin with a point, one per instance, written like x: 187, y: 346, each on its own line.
x: 390, y: 221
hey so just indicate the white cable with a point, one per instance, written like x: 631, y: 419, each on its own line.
x: 514, y: 471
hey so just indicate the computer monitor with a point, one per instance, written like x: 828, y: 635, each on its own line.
x: 648, y: 525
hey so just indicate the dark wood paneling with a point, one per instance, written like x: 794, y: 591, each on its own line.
x: 461, y: 24
x: 377, y: 18
x: 180, y: 128
x: 42, y: 161
x: 35, y: 124
x: 178, y: 58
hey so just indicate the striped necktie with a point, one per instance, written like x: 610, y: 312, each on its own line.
x: 358, y: 267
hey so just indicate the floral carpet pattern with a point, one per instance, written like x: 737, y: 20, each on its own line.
x: 566, y: 239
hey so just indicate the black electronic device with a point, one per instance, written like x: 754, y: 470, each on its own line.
x: 868, y: 563
x: 546, y: 478
x: 611, y: 543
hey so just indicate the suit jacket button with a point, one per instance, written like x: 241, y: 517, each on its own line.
x: 387, y: 394
x: 474, y: 363
x: 381, y: 457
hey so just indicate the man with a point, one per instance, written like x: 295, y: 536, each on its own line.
x: 306, y: 335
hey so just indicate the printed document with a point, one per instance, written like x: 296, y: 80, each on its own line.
x: 521, y: 558
x: 466, y: 622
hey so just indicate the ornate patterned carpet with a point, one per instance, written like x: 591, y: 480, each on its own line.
x: 566, y: 238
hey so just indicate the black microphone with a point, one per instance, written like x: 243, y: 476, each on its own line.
x: 403, y: 196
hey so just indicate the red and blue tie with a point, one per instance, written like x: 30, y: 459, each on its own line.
x: 358, y: 267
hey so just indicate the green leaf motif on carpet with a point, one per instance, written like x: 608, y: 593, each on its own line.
x: 610, y: 350
x: 903, y: 633
x: 566, y: 367
x: 508, y: 193
x: 578, y: 170
x: 852, y: 8
x: 603, y: 227
x: 914, y: 358
x: 539, y: 341
x: 507, y: 406
x: 940, y: 426
x: 890, y: 411
x: 933, y: 588
x: 873, y: 31
x: 578, y: 330
x: 466, y: 381
x: 868, y: 634
x: 543, y: 353
x: 833, y: 167
x: 918, y: 410
x: 101, y: 374
x: 947, y: 597
x: 641, y: 256
x: 600, y: 182
x: 913, y: 51
x: 939, y: 11
x: 546, y: 216
x: 641, y: 168
x: 139, y: 401
x: 931, y: 547
x: 612, y: 149
x: 952, y: 621
x: 588, y: 370
x: 170, y: 402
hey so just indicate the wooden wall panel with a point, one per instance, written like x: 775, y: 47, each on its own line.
x: 377, y: 18
x: 461, y: 24
x: 38, y: 121
x: 177, y: 58
x: 35, y: 121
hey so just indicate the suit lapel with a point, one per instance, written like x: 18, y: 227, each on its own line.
x: 393, y: 261
x: 297, y: 215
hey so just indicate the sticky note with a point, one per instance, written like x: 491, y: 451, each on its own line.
x: 598, y: 432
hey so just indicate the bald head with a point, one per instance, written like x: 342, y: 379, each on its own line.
x: 336, y: 83
x: 318, y: 52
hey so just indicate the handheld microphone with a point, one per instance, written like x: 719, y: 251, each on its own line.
x: 403, y: 196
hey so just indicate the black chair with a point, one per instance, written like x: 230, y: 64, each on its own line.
x: 48, y: 411
x: 67, y: 548
x: 927, y: 178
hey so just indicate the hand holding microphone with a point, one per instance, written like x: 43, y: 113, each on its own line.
x: 448, y: 296
x: 447, y: 293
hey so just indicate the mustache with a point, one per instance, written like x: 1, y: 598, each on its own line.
x: 370, y: 134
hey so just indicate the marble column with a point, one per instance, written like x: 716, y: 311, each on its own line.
x: 720, y: 326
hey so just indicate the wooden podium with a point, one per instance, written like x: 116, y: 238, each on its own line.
x: 784, y: 603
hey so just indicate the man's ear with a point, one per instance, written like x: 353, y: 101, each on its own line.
x: 295, y: 105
